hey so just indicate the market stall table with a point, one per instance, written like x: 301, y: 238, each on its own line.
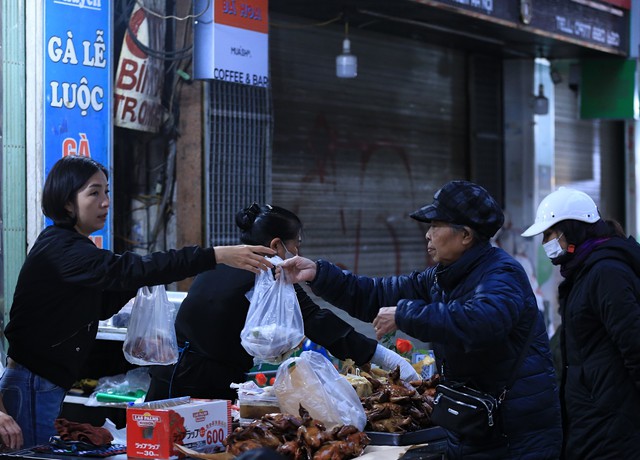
x: 431, y: 451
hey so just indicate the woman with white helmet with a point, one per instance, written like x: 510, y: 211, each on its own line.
x: 600, y: 309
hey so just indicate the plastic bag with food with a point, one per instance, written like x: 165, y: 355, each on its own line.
x: 274, y: 327
x: 151, y: 336
x: 312, y: 381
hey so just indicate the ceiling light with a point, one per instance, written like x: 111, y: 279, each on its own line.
x: 346, y: 63
x: 541, y: 102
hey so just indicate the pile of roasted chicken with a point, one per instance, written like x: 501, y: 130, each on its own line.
x: 391, y: 406
x: 394, y: 407
x: 298, y: 438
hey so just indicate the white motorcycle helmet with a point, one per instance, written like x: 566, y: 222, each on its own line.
x: 563, y: 204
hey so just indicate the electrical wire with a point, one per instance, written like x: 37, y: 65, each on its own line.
x: 157, y: 226
x: 304, y: 26
x: 178, y: 55
x: 177, y: 18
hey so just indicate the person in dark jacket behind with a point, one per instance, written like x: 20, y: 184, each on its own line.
x: 477, y: 309
x: 600, y: 310
x: 67, y: 285
x: 212, y: 315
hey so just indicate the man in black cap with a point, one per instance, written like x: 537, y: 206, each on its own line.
x: 476, y: 308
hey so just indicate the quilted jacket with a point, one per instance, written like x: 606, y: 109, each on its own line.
x: 600, y: 308
x: 476, y: 313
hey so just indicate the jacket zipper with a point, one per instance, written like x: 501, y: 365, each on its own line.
x: 88, y: 326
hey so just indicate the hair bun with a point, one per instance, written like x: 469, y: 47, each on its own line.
x: 246, y: 217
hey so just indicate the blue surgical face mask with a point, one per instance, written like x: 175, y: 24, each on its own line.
x: 553, y: 249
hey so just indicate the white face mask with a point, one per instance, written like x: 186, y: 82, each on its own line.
x: 287, y: 254
x: 553, y: 248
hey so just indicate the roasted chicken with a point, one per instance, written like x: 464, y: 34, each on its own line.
x: 396, y: 407
x: 298, y: 438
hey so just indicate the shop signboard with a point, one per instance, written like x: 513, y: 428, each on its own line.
x: 77, y: 86
x: 140, y: 74
x: 602, y: 24
x: 231, y: 41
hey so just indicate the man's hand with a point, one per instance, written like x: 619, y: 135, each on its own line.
x: 250, y: 258
x: 385, y: 322
x: 297, y: 269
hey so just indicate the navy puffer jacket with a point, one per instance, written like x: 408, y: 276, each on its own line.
x: 477, y: 313
x: 600, y: 306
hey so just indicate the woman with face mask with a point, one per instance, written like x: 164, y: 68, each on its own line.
x: 214, y: 312
x: 600, y: 309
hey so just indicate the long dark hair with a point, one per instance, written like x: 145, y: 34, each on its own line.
x: 67, y: 176
x: 577, y: 232
x: 260, y: 224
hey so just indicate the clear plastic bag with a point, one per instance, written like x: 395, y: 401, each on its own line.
x: 274, y: 326
x: 151, y: 336
x: 118, y: 390
x: 312, y: 381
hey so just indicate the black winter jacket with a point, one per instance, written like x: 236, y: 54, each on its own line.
x: 600, y: 309
x: 211, y: 318
x: 67, y: 285
x: 477, y: 313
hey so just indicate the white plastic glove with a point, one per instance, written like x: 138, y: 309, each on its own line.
x: 389, y: 360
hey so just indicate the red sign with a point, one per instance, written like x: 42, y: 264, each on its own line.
x: 243, y: 14
x: 626, y: 4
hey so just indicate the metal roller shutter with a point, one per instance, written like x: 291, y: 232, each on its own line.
x: 353, y: 157
x: 577, y: 143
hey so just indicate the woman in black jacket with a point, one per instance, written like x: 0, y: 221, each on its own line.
x: 600, y: 310
x: 67, y: 285
x: 212, y: 315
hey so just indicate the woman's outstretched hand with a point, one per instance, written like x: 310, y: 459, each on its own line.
x: 251, y: 258
x: 297, y: 269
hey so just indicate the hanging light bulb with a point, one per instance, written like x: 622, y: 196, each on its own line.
x: 540, y: 101
x: 541, y: 104
x: 346, y: 63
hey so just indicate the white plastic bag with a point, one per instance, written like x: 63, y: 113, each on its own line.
x: 274, y: 326
x: 313, y: 382
x: 151, y: 337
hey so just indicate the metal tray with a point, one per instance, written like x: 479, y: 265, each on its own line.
x: 379, y: 438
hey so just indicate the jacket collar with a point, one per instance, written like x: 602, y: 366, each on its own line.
x: 449, y: 276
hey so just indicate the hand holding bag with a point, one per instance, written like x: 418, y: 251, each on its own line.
x: 470, y: 413
x: 274, y: 326
x: 151, y: 336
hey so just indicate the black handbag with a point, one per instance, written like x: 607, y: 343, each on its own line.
x: 465, y: 411
x: 470, y: 413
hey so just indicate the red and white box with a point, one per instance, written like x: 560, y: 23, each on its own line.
x: 199, y: 424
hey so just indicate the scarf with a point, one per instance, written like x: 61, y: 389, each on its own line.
x: 568, y: 269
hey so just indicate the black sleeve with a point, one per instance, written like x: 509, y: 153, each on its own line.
x: 81, y: 263
x: 325, y: 328
x: 113, y: 301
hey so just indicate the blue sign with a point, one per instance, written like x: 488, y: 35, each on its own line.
x: 77, y: 86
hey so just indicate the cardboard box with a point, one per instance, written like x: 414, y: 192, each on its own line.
x: 199, y: 424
